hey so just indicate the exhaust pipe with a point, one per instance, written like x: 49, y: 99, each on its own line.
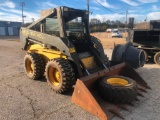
x: 129, y: 54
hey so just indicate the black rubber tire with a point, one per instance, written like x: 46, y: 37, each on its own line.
x: 157, y: 58
x: 118, y: 94
x: 115, y: 51
x: 106, y: 61
x: 67, y: 74
x: 38, y: 63
x: 146, y: 55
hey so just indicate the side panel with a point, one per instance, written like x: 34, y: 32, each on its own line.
x: 145, y: 37
x: 47, y: 40
x: 48, y: 54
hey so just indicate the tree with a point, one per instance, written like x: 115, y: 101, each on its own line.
x: 97, y: 26
x: 95, y: 21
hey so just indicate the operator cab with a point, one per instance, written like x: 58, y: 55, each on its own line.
x: 76, y: 27
x: 68, y: 23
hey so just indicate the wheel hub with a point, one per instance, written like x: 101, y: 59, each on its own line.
x: 54, y: 76
x: 117, y: 81
x: 29, y: 66
x: 158, y: 58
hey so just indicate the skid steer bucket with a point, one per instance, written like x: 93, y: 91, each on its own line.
x: 86, y: 96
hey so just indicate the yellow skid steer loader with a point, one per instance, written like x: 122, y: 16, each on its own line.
x: 60, y: 47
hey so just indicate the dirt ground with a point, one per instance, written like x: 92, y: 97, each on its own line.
x: 25, y: 99
x: 107, y: 41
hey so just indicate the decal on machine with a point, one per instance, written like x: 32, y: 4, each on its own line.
x: 72, y: 50
x: 32, y: 33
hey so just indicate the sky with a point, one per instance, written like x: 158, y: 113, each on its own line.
x: 10, y: 10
